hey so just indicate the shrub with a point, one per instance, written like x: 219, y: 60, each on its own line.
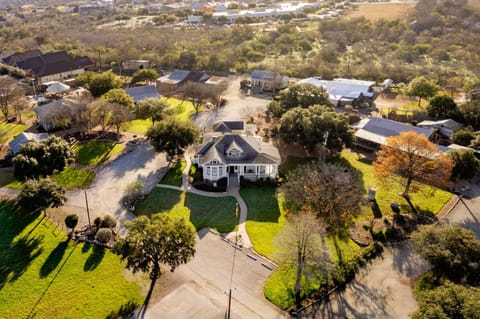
x: 104, y: 235
x: 108, y: 222
x: 71, y: 221
x: 379, y: 235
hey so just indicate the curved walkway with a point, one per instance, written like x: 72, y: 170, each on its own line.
x: 233, y: 190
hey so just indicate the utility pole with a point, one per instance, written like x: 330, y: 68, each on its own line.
x: 227, y: 316
x: 88, y: 211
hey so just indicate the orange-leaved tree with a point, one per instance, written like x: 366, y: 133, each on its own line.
x: 414, y: 158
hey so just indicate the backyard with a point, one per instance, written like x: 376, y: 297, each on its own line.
x: 45, y: 275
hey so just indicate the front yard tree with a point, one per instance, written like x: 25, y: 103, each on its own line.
x: 156, y: 109
x: 412, y: 157
x: 40, y: 194
x: 422, y: 87
x: 71, y: 221
x: 172, y: 136
x: 42, y: 158
x: 300, y: 245
x: 465, y: 163
x: 150, y: 243
x: 198, y: 93
x: 442, y: 107
x: 119, y: 96
x: 9, y: 92
x: 99, y: 83
x: 452, y: 251
x: 314, y: 126
x: 18, y: 105
x: 119, y: 115
x: 333, y: 192
x: 144, y: 75
x: 301, y: 95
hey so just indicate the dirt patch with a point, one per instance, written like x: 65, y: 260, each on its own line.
x: 377, y: 11
x: 360, y: 233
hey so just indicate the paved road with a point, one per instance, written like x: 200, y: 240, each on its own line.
x: 106, y: 192
x: 200, y: 288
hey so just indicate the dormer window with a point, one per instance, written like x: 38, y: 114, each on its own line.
x: 234, y: 150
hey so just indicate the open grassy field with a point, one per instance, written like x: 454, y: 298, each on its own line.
x: 94, y: 153
x: 138, y: 126
x: 44, y: 275
x: 377, y: 11
x: 217, y: 213
x: 69, y: 178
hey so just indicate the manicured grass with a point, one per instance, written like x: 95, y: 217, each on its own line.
x: 266, y: 218
x: 181, y: 109
x: 70, y: 178
x: 43, y: 275
x: 428, y: 199
x: 292, y: 162
x: 94, y: 153
x: 138, y: 126
x: 9, y: 130
x: 201, y: 211
x: 175, y: 173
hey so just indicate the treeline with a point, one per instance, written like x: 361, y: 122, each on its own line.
x: 438, y: 40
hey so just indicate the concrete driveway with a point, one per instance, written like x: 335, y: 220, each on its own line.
x: 106, y: 192
x: 239, y: 105
x: 200, y: 288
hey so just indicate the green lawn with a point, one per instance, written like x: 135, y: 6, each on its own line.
x: 43, y: 275
x: 175, y: 173
x: 181, y: 109
x: 94, y: 153
x: 292, y: 162
x: 70, y: 178
x: 9, y: 130
x: 201, y: 211
x: 428, y: 199
x: 138, y: 126
x: 266, y: 218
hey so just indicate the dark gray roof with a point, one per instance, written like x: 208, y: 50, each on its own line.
x: 228, y: 126
x: 143, y: 92
x: 252, y: 151
x: 23, y: 138
x: 18, y: 57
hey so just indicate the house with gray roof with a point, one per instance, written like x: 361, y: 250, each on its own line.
x: 143, y: 92
x: 267, y: 80
x: 172, y: 82
x: 370, y: 133
x: 23, y: 139
x: 237, y: 156
x: 445, y: 127
x: 57, y: 114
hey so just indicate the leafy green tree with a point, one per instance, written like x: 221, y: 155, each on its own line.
x: 422, y: 87
x: 443, y: 107
x: 104, y: 235
x: 150, y: 243
x: 333, y: 192
x: 316, y: 125
x: 119, y: 96
x: 71, y: 221
x: 40, y: 194
x: 108, y: 222
x: 99, y: 83
x: 144, y: 75
x: 451, y: 250
x: 173, y: 136
x: 300, y: 95
x: 463, y: 137
x: 465, y: 163
x: 471, y: 113
x: 156, y: 109
x: 42, y: 158
x: 448, y: 301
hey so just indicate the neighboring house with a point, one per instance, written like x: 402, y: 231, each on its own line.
x: 236, y: 156
x: 23, y: 139
x: 57, y: 114
x: 370, y: 133
x: 217, y: 81
x: 174, y: 81
x: 139, y: 93
x: 235, y: 127
x: 56, y: 87
x: 445, y: 127
x: 267, y: 80
x: 134, y: 65
x: 51, y: 66
x: 344, y: 91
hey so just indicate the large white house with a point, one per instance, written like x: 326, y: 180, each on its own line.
x: 237, y: 156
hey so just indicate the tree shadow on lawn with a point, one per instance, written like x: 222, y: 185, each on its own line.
x: 16, y: 258
x: 53, y: 260
x: 159, y: 200
x: 13, y: 220
x: 86, y: 247
x: 125, y: 311
x: 95, y: 258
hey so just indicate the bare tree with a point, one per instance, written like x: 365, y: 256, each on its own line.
x: 18, y: 106
x: 198, y: 93
x: 301, y: 245
x: 9, y: 92
x: 103, y: 113
x: 119, y: 115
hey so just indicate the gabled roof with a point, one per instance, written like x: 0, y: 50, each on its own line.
x: 228, y: 126
x: 447, y: 123
x: 23, y: 138
x: 377, y: 130
x: 253, y: 151
x: 264, y: 75
x: 345, y: 89
x: 19, y: 57
x: 175, y: 77
x: 143, y: 92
